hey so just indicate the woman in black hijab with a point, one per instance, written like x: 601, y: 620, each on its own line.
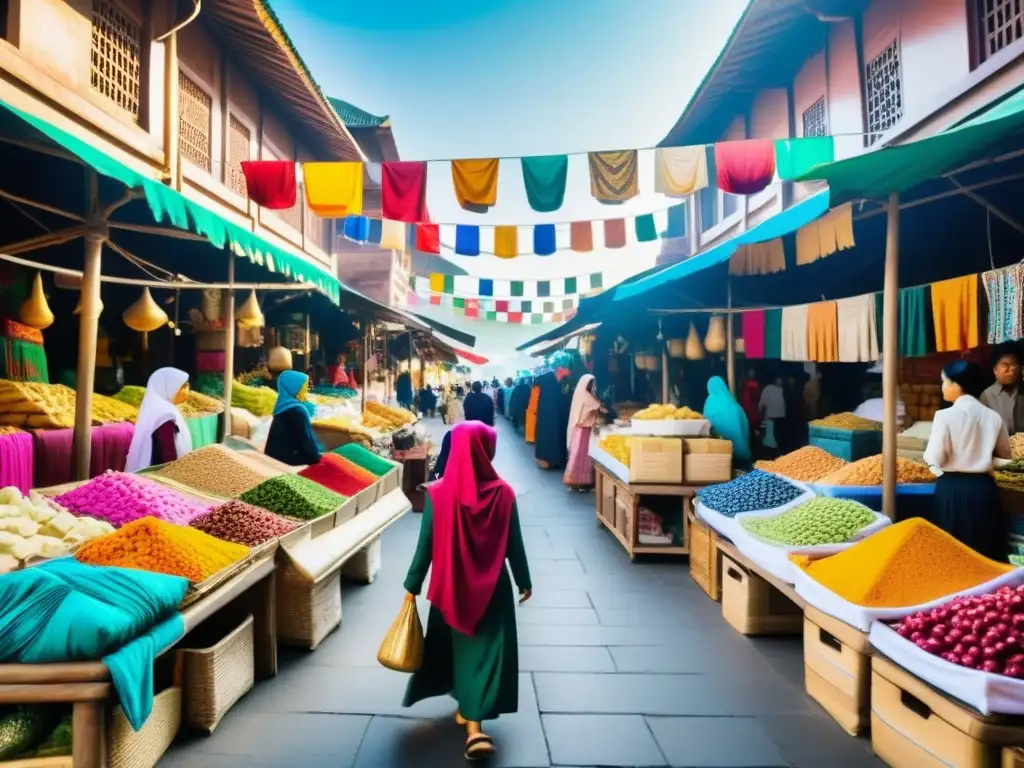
x: 552, y: 422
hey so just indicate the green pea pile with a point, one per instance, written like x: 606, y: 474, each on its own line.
x: 293, y: 496
x: 819, y: 521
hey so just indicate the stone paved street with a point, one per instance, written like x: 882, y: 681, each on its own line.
x: 621, y: 665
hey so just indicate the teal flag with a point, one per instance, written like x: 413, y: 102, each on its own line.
x: 645, y: 229
x: 544, y: 178
x: 795, y: 157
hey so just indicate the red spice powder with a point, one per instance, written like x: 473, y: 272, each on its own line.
x: 339, y: 475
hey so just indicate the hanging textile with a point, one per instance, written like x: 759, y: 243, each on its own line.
x: 753, y: 333
x: 544, y: 239
x: 795, y: 157
x: 476, y: 183
x: 794, y: 333
x: 680, y: 171
x: 334, y: 190
x: 646, y: 231
x: 914, y: 321
x: 506, y: 242
x: 376, y: 229
x: 392, y: 237
x: 613, y: 177
x: 773, y: 334
x: 581, y: 236
x: 744, y: 167
x: 823, y: 332
x: 614, y: 233
x: 467, y: 240
x: 832, y: 232
x: 955, y: 314
x: 858, y: 329
x: 486, y: 287
x: 404, y: 191
x: 271, y: 184
x: 676, y: 222
x: 436, y: 282
x: 544, y: 178
x: 1004, y: 289
x: 428, y: 238
x: 765, y: 258
x: 357, y: 228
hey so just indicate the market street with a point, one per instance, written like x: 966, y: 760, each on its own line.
x: 621, y: 665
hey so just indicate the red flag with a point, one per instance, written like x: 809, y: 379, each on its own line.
x: 271, y: 183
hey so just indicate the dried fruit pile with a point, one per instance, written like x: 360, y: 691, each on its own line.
x: 242, y: 523
x: 846, y: 421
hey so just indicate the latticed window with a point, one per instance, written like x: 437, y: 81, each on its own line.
x: 293, y: 216
x: 998, y: 23
x: 116, y: 41
x: 314, y: 228
x: 239, y: 148
x: 884, y: 91
x: 195, y: 122
x: 816, y: 119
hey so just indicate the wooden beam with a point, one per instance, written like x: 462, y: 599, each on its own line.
x: 890, y: 355
x: 88, y: 333
x: 229, y: 343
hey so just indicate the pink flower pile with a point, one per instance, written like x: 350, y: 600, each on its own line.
x: 120, y: 498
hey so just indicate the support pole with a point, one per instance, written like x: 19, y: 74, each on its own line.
x: 229, y: 343
x: 730, y: 340
x: 387, y: 371
x: 664, y: 373
x: 366, y: 355
x: 88, y: 332
x: 890, y: 354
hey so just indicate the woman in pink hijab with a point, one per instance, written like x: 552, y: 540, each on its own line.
x: 470, y: 527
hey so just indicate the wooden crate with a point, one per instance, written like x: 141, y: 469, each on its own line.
x: 753, y: 606
x: 915, y: 726
x: 705, y: 561
x: 837, y: 670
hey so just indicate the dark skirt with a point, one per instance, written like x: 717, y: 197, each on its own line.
x: 967, y: 507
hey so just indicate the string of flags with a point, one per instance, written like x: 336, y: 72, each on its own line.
x: 335, y: 189
x: 469, y: 286
x: 503, y: 310
x: 562, y: 304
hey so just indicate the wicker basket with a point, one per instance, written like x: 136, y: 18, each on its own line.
x: 306, y: 612
x: 128, y: 748
x: 364, y: 565
x: 215, y: 678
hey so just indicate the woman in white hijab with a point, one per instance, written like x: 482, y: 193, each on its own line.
x: 579, y: 470
x: 161, y: 434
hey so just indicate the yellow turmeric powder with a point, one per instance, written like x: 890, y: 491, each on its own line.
x: 909, y: 563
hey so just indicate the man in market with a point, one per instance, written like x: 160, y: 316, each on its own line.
x: 773, y: 412
x: 478, y: 406
x: 1003, y: 397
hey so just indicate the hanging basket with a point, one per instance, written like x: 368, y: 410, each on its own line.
x: 714, y: 342
x: 694, y: 349
x: 676, y: 348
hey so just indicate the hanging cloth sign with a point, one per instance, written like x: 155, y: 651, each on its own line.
x: 271, y: 184
x: 613, y: 177
x: 614, y: 233
x: 581, y: 236
x: 646, y: 231
x: 404, y: 191
x: 467, y: 240
x: 476, y: 183
x: 506, y: 242
x: 745, y: 167
x: 392, y: 237
x: 544, y: 178
x: 680, y: 171
x: 832, y: 232
x: 795, y: 157
x: 428, y: 238
x: 357, y: 228
x: 544, y: 241
x: 764, y: 258
x: 334, y: 190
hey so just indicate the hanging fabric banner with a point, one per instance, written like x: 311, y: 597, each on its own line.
x: 614, y: 233
x: 823, y: 237
x: 374, y: 234
x: 506, y: 242
x: 428, y: 238
x: 544, y: 243
x: 613, y: 176
x: 392, y: 237
x: 357, y: 229
x: 765, y: 258
x: 581, y: 236
x: 680, y: 171
x: 544, y: 177
x: 795, y: 157
x: 486, y: 288
x: 271, y: 184
x: 646, y: 231
x: 476, y: 183
x: 744, y: 167
x: 467, y: 240
x: 676, y: 222
x: 333, y: 190
x: 404, y: 191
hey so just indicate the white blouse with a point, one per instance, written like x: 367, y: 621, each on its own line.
x: 965, y: 438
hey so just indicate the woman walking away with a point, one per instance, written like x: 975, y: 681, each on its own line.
x: 291, y: 438
x: 161, y: 434
x: 728, y: 418
x: 470, y: 527
x: 579, y: 469
x: 478, y: 406
x: 428, y: 401
x: 964, y: 440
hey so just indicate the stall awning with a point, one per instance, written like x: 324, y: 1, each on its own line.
x: 171, y: 207
x: 460, y: 336
x: 898, y: 168
x: 558, y: 344
x: 470, y: 357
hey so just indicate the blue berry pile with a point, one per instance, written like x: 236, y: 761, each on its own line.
x: 749, y: 493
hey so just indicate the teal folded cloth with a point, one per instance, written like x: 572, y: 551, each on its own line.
x: 544, y: 177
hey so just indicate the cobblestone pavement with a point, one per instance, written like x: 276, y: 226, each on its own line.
x: 621, y: 664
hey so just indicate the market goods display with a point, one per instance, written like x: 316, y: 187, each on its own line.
x: 869, y: 472
x: 120, y: 498
x: 357, y: 432
x: 343, y: 393
x: 616, y: 446
x: 31, y: 528
x: 815, y: 522
x: 906, y: 564
x: 846, y: 421
x: 668, y: 411
x: 921, y: 401
x: 256, y: 400
x: 1011, y: 475
x: 806, y: 464
x: 1017, y: 446
x: 157, y: 546
x: 339, y: 475
x: 293, y: 496
x: 213, y: 469
x: 396, y: 417
x: 5, y: 430
x: 749, y: 493
x: 366, y: 459
x: 242, y: 523
x: 52, y: 406
x: 30, y: 730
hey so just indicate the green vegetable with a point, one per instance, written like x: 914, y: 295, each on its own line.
x: 58, y: 743
x: 818, y: 521
x: 22, y: 728
x: 293, y: 496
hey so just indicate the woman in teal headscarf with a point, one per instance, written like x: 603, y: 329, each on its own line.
x: 291, y: 438
x: 727, y: 418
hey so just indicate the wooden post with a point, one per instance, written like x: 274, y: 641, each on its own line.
x: 890, y: 354
x: 366, y: 355
x: 229, y: 342
x: 88, y: 331
x: 387, y: 371
x: 664, y: 372
x: 730, y: 341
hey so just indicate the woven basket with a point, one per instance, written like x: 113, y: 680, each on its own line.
x: 215, y: 678
x: 128, y: 748
x: 364, y: 565
x: 306, y: 612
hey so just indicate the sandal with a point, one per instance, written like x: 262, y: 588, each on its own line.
x: 459, y: 719
x: 478, y: 746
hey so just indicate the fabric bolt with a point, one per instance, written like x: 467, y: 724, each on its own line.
x: 581, y: 236
x: 680, y: 171
x: 744, y: 167
x: 831, y: 233
x: 676, y: 222
x: 17, y: 461
x: 765, y: 258
x: 544, y: 177
x: 52, y: 452
x: 1004, y: 289
x: 613, y: 176
x: 467, y: 240
x: 858, y: 329
x: 392, y: 235
x: 615, y: 233
x: 646, y: 231
x: 955, y: 314
x: 271, y: 184
x: 476, y: 182
x: 795, y: 157
x: 375, y: 231
x: 795, y: 333
x: 823, y: 332
x: 773, y: 334
x: 334, y: 190
x: 753, y: 333
x: 110, y: 444
x: 357, y: 228
x: 506, y: 242
x: 544, y: 239
x: 428, y: 238
x: 404, y: 191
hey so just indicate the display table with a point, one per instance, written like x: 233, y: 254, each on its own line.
x: 414, y: 473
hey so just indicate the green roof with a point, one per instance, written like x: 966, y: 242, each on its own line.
x: 354, y: 117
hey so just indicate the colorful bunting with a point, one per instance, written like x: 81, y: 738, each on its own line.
x: 392, y: 236
x: 506, y: 242
x: 544, y: 242
x: 357, y: 228
x: 581, y: 236
x: 467, y: 240
x: 404, y: 191
x: 676, y: 222
x: 795, y: 157
x: 374, y: 235
x: 544, y: 178
x: 271, y: 184
x: 614, y: 233
x: 646, y: 231
x: 476, y: 183
x: 680, y: 171
x: 333, y: 190
x: 744, y: 167
x: 498, y: 289
x: 428, y: 238
x: 613, y: 176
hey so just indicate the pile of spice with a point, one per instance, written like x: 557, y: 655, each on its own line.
x: 154, y: 545
x: 754, y: 491
x: 120, y: 498
x: 806, y: 464
x: 213, y: 469
x: 869, y: 472
x: 1011, y: 475
x: 1017, y: 446
x: 815, y: 522
x: 293, y: 496
x: 339, y: 474
x: 905, y: 564
x: 242, y: 523
x: 365, y: 458
x: 847, y: 421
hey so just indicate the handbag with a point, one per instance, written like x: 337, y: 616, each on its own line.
x: 402, y: 649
